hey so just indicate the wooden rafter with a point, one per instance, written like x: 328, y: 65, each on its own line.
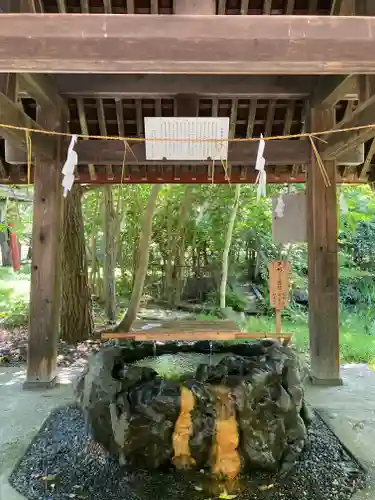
x: 221, y: 7
x: 120, y: 118
x: 11, y: 113
x: 163, y: 44
x: 233, y: 118
x: 329, y: 91
x: 251, y: 118
x: 289, y: 7
x: 85, y: 6
x: 270, y: 118
x: 289, y: 118
x: 107, y: 4
x: 139, y: 118
x: 343, y: 8
x: 85, y: 131
x: 103, y: 131
x: 62, y: 6
x: 3, y: 172
x: 313, y: 6
x: 42, y: 89
x: 267, y: 7
x: 340, y: 142
x: 154, y: 7
x: 244, y: 7
x: 305, y: 113
x: 367, y: 164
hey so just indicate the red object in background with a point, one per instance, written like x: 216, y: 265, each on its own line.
x: 15, y: 250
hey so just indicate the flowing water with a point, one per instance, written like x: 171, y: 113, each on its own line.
x: 182, y: 365
x: 226, y: 462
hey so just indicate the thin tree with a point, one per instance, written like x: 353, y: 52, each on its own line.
x: 109, y: 255
x: 143, y: 257
x: 227, y: 244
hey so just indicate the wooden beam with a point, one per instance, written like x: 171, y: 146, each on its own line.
x: 340, y: 142
x: 183, y: 44
x: 12, y: 114
x: 185, y: 174
x: 133, y: 86
x: 43, y: 90
x: 111, y: 152
x: 323, y: 264
x: 367, y: 163
x: 329, y: 90
x: 9, y: 85
x: 45, y: 292
x: 196, y: 335
x: 173, y: 174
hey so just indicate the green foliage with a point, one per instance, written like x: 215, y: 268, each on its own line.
x: 203, y: 239
x: 14, y: 296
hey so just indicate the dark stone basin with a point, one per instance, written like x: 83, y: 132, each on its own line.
x: 243, y: 410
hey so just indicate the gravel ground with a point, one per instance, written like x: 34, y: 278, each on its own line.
x: 63, y: 462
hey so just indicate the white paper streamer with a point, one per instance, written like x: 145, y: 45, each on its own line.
x: 343, y: 205
x: 280, y: 207
x: 69, y: 166
x: 261, y: 179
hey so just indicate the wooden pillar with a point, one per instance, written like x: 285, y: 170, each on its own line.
x: 45, y: 291
x: 323, y: 263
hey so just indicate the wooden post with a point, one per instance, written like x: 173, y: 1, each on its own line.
x: 45, y: 292
x: 323, y: 263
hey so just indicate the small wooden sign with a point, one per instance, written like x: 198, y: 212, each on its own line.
x: 279, y: 283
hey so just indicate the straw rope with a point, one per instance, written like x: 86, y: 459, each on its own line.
x: 310, y: 135
x: 155, y: 139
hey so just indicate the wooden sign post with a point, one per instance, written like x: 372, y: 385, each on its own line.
x: 279, y: 288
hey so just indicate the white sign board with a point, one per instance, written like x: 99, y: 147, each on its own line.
x: 291, y: 227
x: 173, y: 130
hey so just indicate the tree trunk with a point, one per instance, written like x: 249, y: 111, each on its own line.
x: 6, y: 253
x: 109, y: 255
x: 144, y: 251
x: 228, y: 241
x: 76, y: 308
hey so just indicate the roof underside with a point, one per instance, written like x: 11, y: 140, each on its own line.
x: 230, y: 7
x: 115, y: 115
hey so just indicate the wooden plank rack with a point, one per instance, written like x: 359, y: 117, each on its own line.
x: 190, y: 331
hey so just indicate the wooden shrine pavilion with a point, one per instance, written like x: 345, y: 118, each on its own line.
x: 99, y: 67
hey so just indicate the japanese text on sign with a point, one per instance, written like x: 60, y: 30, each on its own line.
x: 279, y: 283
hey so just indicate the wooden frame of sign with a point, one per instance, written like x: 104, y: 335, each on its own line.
x: 279, y: 271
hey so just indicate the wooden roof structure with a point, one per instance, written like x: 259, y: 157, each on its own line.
x: 110, y: 72
x: 280, y: 68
